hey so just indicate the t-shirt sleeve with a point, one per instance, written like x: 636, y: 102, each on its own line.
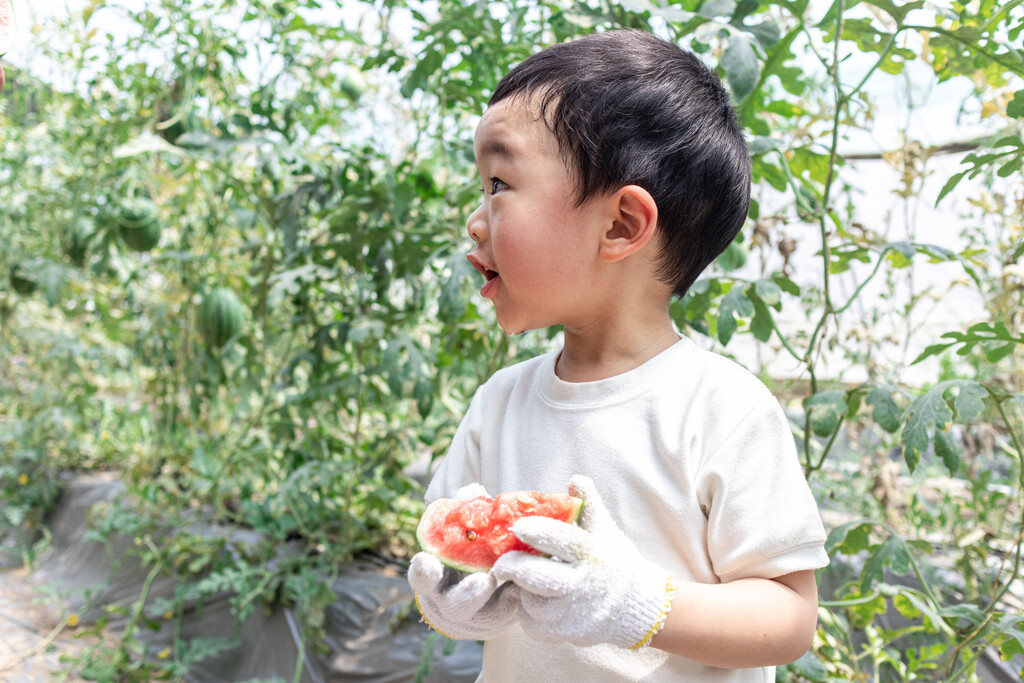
x: 762, y: 518
x: 461, y: 465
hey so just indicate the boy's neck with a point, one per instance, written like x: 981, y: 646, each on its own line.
x: 591, y: 355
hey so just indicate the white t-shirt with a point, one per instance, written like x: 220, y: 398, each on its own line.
x: 694, y: 459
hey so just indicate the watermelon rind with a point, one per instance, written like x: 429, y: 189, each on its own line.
x: 7, y: 26
x: 434, y: 521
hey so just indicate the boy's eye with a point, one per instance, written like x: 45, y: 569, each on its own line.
x: 496, y: 185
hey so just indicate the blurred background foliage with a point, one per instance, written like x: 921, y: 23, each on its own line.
x: 311, y: 162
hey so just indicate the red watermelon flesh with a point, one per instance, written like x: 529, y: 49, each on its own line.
x: 470, y: 535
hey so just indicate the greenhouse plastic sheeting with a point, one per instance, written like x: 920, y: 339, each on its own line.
x: 367, y: 636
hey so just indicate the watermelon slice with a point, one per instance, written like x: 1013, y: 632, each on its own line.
x: 470, y: 535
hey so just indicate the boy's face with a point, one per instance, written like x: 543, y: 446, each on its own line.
x: 536, y: 249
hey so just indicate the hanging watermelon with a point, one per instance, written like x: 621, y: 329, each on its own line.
x: 470, y: 535
x: 138, y: 221
x: 221, y: 317
x: 22, y: 281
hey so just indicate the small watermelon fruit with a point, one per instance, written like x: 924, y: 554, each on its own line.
x: 139, y: 222
x: 470, y: 535
x: 22, y: 281
x: 221, y: 317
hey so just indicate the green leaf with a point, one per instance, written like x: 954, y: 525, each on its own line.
x: 970, y: 400
x: 896, y: 12
x: 761, y: 325
x: 717, y: 8
x: 994, y: 355
x: 931, y: 415
x: 947, y: 448
x: 810, y: 668
x: 893, y: 553
x: 850, y: 538
x: 453, y: 302
x: 787, y: 285
x: 885, y: 412
x: 734, y: 257
x: 1011, y: 636
x: 826, y: 410
x: 901, y: 254
x: 950, y: 185
x: 767, y: 32
x: 769, y: 292
x: 1011, y: 167
x: 734, y: 303
x: 423, y: 394
x: 928, y: 413
x: 742, y: 68
x: 418, y: 78
x: 1015, y: 108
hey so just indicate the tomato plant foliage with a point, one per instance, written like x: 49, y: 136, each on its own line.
x: 315, y: 159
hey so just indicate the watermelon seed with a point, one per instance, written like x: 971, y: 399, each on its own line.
x: 470, y: 534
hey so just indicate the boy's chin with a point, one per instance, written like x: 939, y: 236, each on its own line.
x: 513, y: 329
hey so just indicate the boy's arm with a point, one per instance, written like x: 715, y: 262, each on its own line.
x: 745, y: 623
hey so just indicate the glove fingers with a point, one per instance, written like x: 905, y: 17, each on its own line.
x: 425, y: 573
x: 565, y: 541
x: 470, y: 594
x: 594, y: 515
x: 540, y: 576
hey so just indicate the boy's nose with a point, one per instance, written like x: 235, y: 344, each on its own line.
x: 476, y: 225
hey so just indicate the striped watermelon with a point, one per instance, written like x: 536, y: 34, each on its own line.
x: 470, y: 535
x: 139, y: 222
x: 221, y: 317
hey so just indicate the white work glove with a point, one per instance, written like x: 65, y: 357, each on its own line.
x: 458, y: 605
x: 595, y: 588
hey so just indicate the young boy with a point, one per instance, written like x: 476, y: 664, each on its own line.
x: 614, y: 171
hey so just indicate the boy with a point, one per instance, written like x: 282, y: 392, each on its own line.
x: 614, y: 171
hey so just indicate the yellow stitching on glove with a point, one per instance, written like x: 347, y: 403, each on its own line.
x: 670, y: 591
x: 427, y: 621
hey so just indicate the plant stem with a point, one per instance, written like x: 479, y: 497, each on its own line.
x: 857, y: 291
x: 990, y: 609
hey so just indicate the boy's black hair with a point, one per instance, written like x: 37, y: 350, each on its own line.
x: 629, y: 108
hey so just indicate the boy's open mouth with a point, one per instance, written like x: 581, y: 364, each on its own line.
x: 484, y: 270
x: 489, y: 275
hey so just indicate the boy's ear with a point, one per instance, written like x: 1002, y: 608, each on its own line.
x: 634, y: 215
